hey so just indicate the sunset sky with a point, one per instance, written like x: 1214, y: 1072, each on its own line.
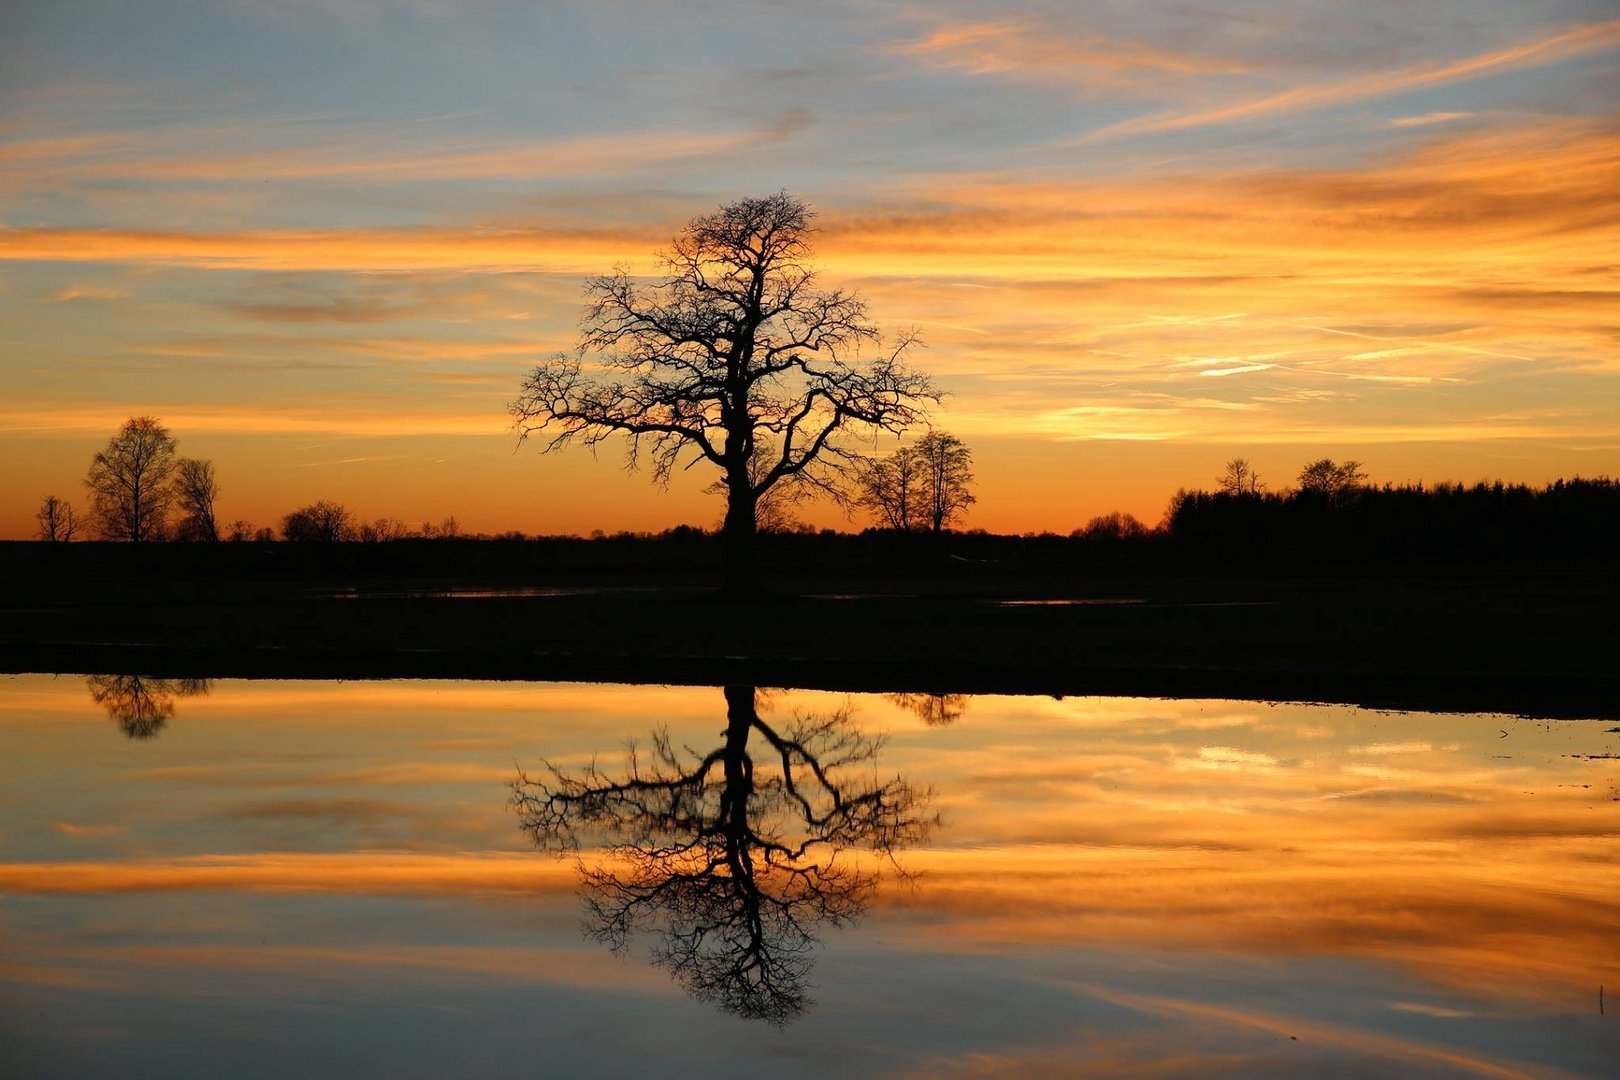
x: 324, y: 241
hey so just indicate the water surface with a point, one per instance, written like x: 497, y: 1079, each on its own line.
x: 327, y: 878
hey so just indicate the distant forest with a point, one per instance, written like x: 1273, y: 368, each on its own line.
x: 1352, y: 528
x: 1406, y: 525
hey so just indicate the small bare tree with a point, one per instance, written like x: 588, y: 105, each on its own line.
x: 733, y: 348
x: 57, y: 522
x: 447, y: 529
x: 320, y: 523
x: 195, y: 490
x: 130, y: 481
x: 384, y: 530
x: 1239, y: 478
x: 1331, y: 478
x: 891, y: 489
x: 1112, y: 528
x: 947, y: 468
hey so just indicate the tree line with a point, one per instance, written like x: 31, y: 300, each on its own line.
x: 1333, y: 517
x: 142, y: 491
x: 1330, y: 516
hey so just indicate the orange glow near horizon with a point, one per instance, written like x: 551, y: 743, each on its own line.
x: 1396, y: 247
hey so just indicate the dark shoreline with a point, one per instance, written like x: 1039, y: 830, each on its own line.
x: 1561, y: 697
x: 1541, y: 644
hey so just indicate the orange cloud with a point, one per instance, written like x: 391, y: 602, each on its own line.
x: 265, y: 420
x: 494, y: 249
x: 1452, y: 205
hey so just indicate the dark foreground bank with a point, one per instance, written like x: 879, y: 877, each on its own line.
x: 1542, y: 647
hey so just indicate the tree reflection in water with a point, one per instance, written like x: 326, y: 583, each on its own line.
x: 732, y: 861
x: 142, y: 705
x: 935, y: 710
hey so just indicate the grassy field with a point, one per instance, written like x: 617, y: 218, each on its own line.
x: 1544, y: 646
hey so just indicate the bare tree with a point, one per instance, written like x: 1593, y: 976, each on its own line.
x: 382, y: 531
x: 57, y: 522
x: 320, y: 522
x: 947, y: 470
x: 140, y: 704
x: 891, y: 488
x: 130, y: 481
x: 1330, y: 478
x: 734, y: 347
x: 732, y: 859
x: 447, y: 529
x: 195, y: 490
x: 1239, y: 478
x: 1114, y: 527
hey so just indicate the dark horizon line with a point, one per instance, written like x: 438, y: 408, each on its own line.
x: 1559, y: 696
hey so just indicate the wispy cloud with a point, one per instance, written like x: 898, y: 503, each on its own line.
x: 1540, y: 52
x: 337, y: 309
x: 89, y: 292
x: 1429, y: 119
x: 374, y: 154
x: 538, y: 249
x: 1033, y: 47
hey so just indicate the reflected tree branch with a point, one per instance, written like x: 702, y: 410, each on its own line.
x: 142, y: 705
x: 935, y: 710
x: 733, y: 860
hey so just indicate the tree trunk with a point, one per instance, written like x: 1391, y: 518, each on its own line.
x: 741, y: 575
x: 740, y: 720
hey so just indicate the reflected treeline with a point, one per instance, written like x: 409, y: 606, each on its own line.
x: 935, y: 710
x: 141, y: 704
x: 732, y: 857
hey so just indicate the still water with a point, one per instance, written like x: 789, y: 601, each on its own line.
x: 485, y: 879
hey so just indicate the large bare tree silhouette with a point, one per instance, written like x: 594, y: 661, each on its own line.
x: 734, y: 356
x: 732, y: 857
